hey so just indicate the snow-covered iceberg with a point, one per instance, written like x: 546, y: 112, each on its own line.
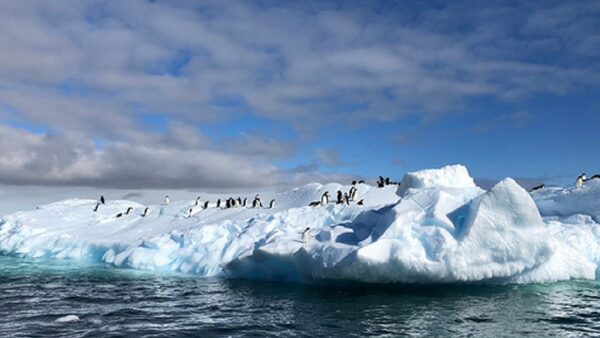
x: 438, y: 226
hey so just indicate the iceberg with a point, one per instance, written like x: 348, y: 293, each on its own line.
x: 437, y: 227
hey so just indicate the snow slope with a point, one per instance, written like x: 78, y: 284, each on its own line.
x: 437, y: 227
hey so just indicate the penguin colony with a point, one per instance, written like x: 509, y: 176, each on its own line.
x: 342, y: 198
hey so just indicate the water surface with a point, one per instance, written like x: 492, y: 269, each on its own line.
x: 119, y: 302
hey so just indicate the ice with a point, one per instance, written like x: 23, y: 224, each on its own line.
x: 438, y: 227
x: 67, y: 319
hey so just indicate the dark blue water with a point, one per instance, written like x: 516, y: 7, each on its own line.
x: 116, y: 303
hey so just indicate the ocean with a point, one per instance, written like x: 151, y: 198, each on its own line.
x: 112, y: 302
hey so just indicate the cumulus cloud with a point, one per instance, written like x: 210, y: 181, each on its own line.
x: 86, y: 71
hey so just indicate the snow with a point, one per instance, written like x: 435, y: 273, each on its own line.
x: 438, y: 227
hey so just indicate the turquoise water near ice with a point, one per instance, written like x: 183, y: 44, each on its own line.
x: 113, y: 302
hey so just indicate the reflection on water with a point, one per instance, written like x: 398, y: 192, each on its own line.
x: 116, y: 302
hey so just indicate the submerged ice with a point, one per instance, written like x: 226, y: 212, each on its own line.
x: 438, y: 226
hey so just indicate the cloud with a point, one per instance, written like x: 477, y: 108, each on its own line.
x: 87, y: 71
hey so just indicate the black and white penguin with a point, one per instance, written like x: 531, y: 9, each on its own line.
x: 361, y: 202
x: 97, y: 206
x: 580, y: 180
x: 206, y: 205
x: 126, y: 212
x: 167, y: 199
x: 102, y: 199
x: 361, y: 182
x: 539, y: 187
x: 197, y: 201
x: 244, y: 202
x: 325, y: 198
x: 314, y: 204
x: 256, y: 203
x: 228, y: 203
x: 387, y: 181
x: 352, y: 193
x: 595, y: 177
x: 272, y: 204
x: 346, y: 199
x: 306, y: 235
x: 380, y: 182
x: 239, y: 201
x: 145, y: 212
x: 190, y: 212
x: 339, y: 197
x: 218, y: 203
x: 354, y: 182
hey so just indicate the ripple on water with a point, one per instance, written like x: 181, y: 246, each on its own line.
x: 119, y: 303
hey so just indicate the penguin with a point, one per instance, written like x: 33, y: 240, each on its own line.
x: 244, y: 202
x: 145, y: 212
x: 387, y: 181
x: 353, y: 192
x: 361, y: 202
x: 595, y: 177
x: 361, y: 182
x: 354, y: 182
x: 339, y: 197
x: 239, y: 201
x: 102, y: 199
x: 206, y: 205
x: 539, y: 187
x: 190, y: 212
x: 218, y: 203
x: 126, y: 212
x: 346, y: 199
x: 272, y: 204
x: 314, y: 204
x: 325, y: 198
x: 580, y: 180
x: 197, y: 201
x: 380, y: 182
x: 306, y: 235
x: 228, y: 203
x: 256, y: 203
x: 97, y: 206
x: 167, y: 199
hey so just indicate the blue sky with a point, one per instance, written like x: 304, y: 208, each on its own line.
x: 182, y: 94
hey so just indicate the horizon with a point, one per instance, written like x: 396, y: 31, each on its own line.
x: 152, y: 95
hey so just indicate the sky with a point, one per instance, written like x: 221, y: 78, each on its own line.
x: 255, y: 94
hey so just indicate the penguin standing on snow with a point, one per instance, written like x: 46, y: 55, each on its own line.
x: 580, y: 181
x: 352, y: 193
x: 102, y: 199
x: 325, y: 198
x: 314, y: 204
x: 306, y: 235
x: 197, y: 201
x: 339, y: 197
x: 206, y: 205
x: 218, y: 203
x: 272, y: 204
x: 145, y: 212
x: 190, y: 212
x: 97, y: 206
x: 256, y: 203
x: 361, y: 202
x: 167, y: 199
x: 244, y: 202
